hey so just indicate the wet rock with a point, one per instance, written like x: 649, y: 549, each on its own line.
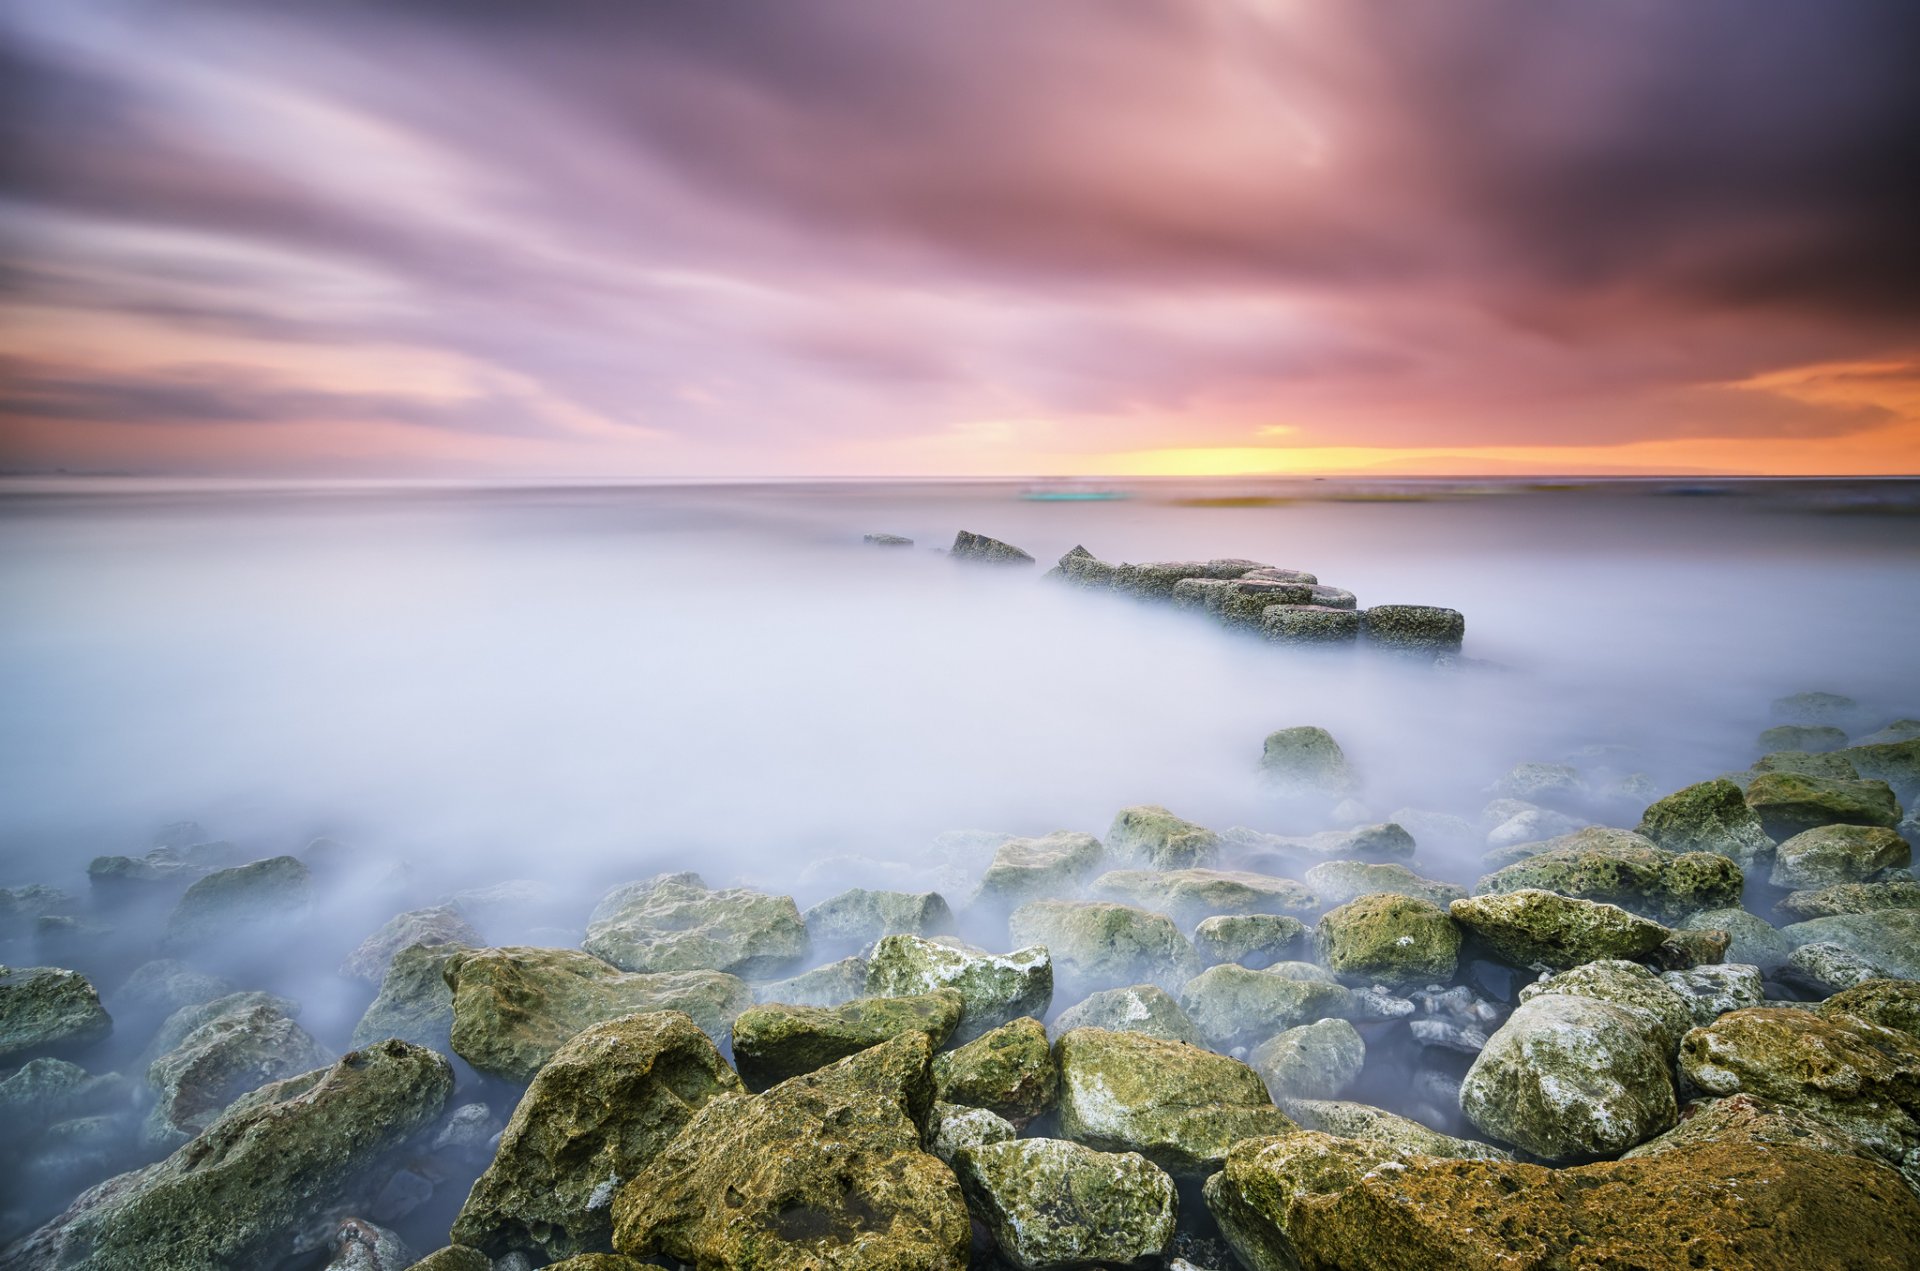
x: 1530, y: 826
x: 675, y: 922
x: 514, y: 1007
x: 1052, y: 1205
x: 952, y: 1127
x: 834, y: 984
x: 414, y: 1003
x: 1898, y: 731
x: 1683, y: 949
x: 1009, y: 1071
x: 1337, y: 882
x: 1532, y: 927
x: 1807, y: 764
x: 1232, y: 1005
x: 1189, y: 895
x: 1829, y: 968
x: 805, y: 1175
x: 1814, y: 708
x: 1801, y: 737
x: 1318, y: 623
x: 1242, y: 602
x: 1896, y: 763
x: 468, y: 1134
x: 1252, y: 940
x: 978, y: 547
x: 1396, y: 940
x: 1267, y: 852
x: 1569, y: 1077
x: 1426, y: 630
x: 1153, y: 838
x: 170, y: 864
x: 233, y: 1196
x: 48, y: 1011
x: 774, y: 1042
x: 46, y: 1090
x: 1744, y: 1119
x: 1625, y: 869
x: 1347, y: 1120
x: 1453, y: 1019
x: 994, y: 987
x: 1830, y: 854
x: 165, y: 985
x: 1096, y: 944
x: 1314, y: 1061
x: 886, y: 540
x: 1712, y: 991
x: 1179, y: 1106
x: 857, y: 917
x: 358, y: 1245
x: 1891, y: 1004
x: 1540, y: 783
x: 1851, y: 898
x: 1082, y: 568
x: 606, y: 1104
x: 1662, y: 1009
x: 1788, y: 803
x: 1138, y: 1008
x: 1306, y: 760
x: 1887, y: 938
x: 1155, y: 580
x: 441, y: 924
x: 1754, y: 940
x: 228, y: 901
x: 454, y: 1258
x: 1026, y: 869
x: 236, y: 1049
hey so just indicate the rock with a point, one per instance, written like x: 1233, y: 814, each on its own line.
x: 165, y: 985
x: 825, y: 1170
x: 1858, y: 1076
x: 1891, y: 1004
x: 1384, y: 938
x: 1310, y: 1200
x: 1896, y: 763
x: 1829, y: 967
x: 1306, y: 760
x: 1683, y: 949
x: 1439, y: 829
x: 1082, y: 568
x: 774, y: 1042
x: 1155, y: 580
x: 454, y: 1258
x: 1741, y: 1118
x: 235, y: 1050
x: 1008, y: 1071
x: 951, y: 1128
x: 1851, y: 898
x: 1662, y: 1010
x: 468, y: 1133
x: 1318, y: 623
x: 1375, y: 1125
x: 677, y: 923
x: 1138, y: 1008
x: 1453, y: 1019
x: 1887, y: 938
x: 606, y: 1104
x: 1096, y: 944
x: 1371, y: 842
x: 994, y: 987
x: 1622, y: 868
x: 1026, y: 869
x: 1829, y: 854
x: 1801, y: 737
x: 171, y: 863
x: 414, y: 1003
x: 1568, y: 1077
x: 442, y: 924
x: 358, y: 1245
x: 1189, y: 895
x: 1898, y: 731
x: 970, y: 546
x: 1531, y: 826
x: 1807, y: 764
x: 48, y: 1011
x: 46, y: 1090
x: 1814, y: 708
x: 857, y: 917
x: 1532, y: 927
x: 1154, y: 838
x: 1241, y: 602
x: 1052, y: 1205
x: 1540, y: 783
x: 1336, y: 882
x: 265, y: 893
x: 234, y: 1196
x: 1754, y: 940
x: 513, y: 1007
x: 834, y: 984
x: 1179, y: 1106
x: 1314, y: 1061
x: 1711, y: 816
x: 1232, y: 1005
x: 1788, y: 803
x: 886, y: 540
x: 1415, y: 629
x: 1712, y: 991
x: 1252, y: 940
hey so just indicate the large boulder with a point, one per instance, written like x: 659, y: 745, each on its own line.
x: 1788, y: 803
x: 1314, y: 1061
x: 513, y: 1007
x: 1850, y: 898
x: 1052, y: 1205
x: 857, y: 917
x: 1348, y: 1120
x: 1151, y: 837
x: 414, y: 1003
x: 1711, y: 816
x: 241, y: 1047
x: 1532, y: 927
x: 822, y: 1171
x: 238, y: 1195
x: 1570, y: 1077
x: 1887, y: 938
x: 774, y: 1042
x: 1009, y: 1071
x: 264, y: 893
x: 1742, y: 1118
x: 1712, y: 991
x: 1621, y: 868
x: 1252, y: 940
x: 1752, y: 939
x: 1097, y: 944
x: 1896, y: 763
x: 675, y: 922
x: 1179, y: 1106
x: 1663, y: 1010
x: 1829, y: 854
x: 1389, y: 939
x: 1236, y: 1006
x: 441, y: 924
x: 1337, y: 882
x: 47, y: 1010
x: 994, y: 987
x: 604, y: 1106
x: 1190, y: 895
x: 1023, y: 869
x: 1891, y: 1004
x: 1306, y: 760
x: 1137, y: 1008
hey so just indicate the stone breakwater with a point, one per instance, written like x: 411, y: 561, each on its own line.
x: 1692, y: 1042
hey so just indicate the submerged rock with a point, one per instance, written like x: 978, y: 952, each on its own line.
x: 1348, y: 1120
x: 1830, y: 854
x: 857, y: 917
x: 1390, y: 939
x: 167, y: 984
x: 1622, y: 868
x: 970, y: 546
x: 1306, y: 760
x: 604, y: 1106
x: 1096, y: 944
x: 1138, y: 1008
x: 237, y: 1049
x: 1252, y: 940
x: 47, y: 1010
x: 1416, y: 629
x: 1189, y: 895
x: 675, y: 922
x: 1801, y: 737
x: 358, y: 1245
x: 1314, y: 1061
x: 1009, y: 1071
x: 1154, y: 838
x: 1026, y: 869
x: 994, y: 988
x: 1542, y: 928
x: 1788, y: 803
x: 1886, y: 938
x: 414, y: 1003
x: 227, y: 901
x: 834, y: 984
x: 1370, y: 842
x: 774, y: 1042
x: 1337, y: 882
x: 442, y: 924
x: 1851, y: 898
x: 1814, y: 708
x: 1540, y: 783
x: 1052, y: 1205
x: 1232, y: 1005
x: 886, y: 540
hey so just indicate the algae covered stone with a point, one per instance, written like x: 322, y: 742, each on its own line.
x: 1752, y: 939
x: 1891, y: 1004
x: 1390, y: 939
x: 441, y: 924
x: 1886, y: 938
x: 48, y: 1010
x: 677, y: 923
x: 1252, y: 940
x: 978, y: 547
x: 1009, y: 1071
x: 1097, y: 944
x: 264, y: 892
x: 774, y: 1042
x: 994, y: 987
x: 952, y: 1127
x: 1348, y: 1120
x: 1621, y: 868
x: 857, y: 917
x: 1152, y: 837
x: 1829, y: 854
x: 1543, y: 928
x: 1788, y: 803
x: 833, y: 984
x: 1337, y: 882
x: 1712, y: 991
x: 604, y: 1106
x: 1190, y: 895
x: 234, y: 1051
x: 1423, y: 630
x: 1711, y: 816
x: 1052, y: 1205
x: 1024, y: 869
x: 1137, y: 1008
x: 415, y: 1003
x: 1234, y: 1005
x: 1306, y: 760
x: 1851, y: 898
x: 1314, y: 1061
x: 1662, y: 1009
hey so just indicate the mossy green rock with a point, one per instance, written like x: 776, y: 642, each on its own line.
x: 1252, y: 940
x: 1337, y: 882
x: 1543, y: 928
x: 1154, y: 838
x: 442, y: 924
x: 677, y: 923
x: 1829, y: 854
x: 1662, y: 1009
x: 48, y: 1010
x: 1621, y: 868
x: 1009, y: 1071
x: 270, y: 891
x: 824, y: 1171
x: 1314, y: 1061
x: 1306, y: 760
x: 994, y: 987
x: 1189, y: 895
x: 1886, y: 938
x: 1743, y: 1118
x: 774, y: 1042
x: 605, y: 1105
x: 234, y: 1197
x: 1788, y: 803
x: 1052, y: 1205
x: 1233, y: 1005
x: 1056, y: 864
x: 1807, y: 763
x: 1179, y: 1106
x: 1851, y: 898
x: 600, y: 1262
x: 513, y: 1007
x: 1896, y: 763
x: 1096, y: 944
x: 1348, y: 1120
x: 1807, y: 737
x: 1389, y: 939
x: 454, y: 1258
x: 231, y: 1053
x: 1137, y: 1008
x: 1891, y: 1004
x: 1570, y: 1077
x: 857, y: 917
x: 415, y: 1003
x: 1711, y: 816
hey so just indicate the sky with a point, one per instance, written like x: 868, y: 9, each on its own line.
x: 1000, y: 237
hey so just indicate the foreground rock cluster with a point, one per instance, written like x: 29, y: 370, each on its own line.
x: 1691, y: 1043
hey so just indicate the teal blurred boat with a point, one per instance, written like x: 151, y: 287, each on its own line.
x: 1071, y: 492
